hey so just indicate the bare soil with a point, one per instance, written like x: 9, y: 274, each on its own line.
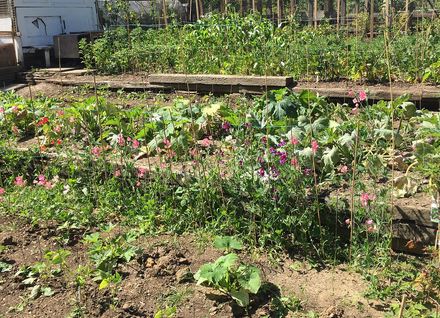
x: 151, y: 281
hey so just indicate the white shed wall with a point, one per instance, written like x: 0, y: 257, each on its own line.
x: 39, y: 20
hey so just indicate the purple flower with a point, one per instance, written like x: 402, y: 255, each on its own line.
x: 274, y: 172
x: 307, y: 172
x: 283, y: 158
x: 261, y: 172
x: 264, y: 139
x: 226, y: 126
x: 282, y: 143
x: 272, y: 150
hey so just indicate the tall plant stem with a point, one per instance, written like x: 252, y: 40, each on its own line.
x: 353, y: 179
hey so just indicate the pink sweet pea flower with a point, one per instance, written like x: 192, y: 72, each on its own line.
x: 205, y: 142
x: 294, y: 163
x: 355, y: 110
x: 315, y: 146
x: 41, y: 180
x: 136, y: 144
x: 19, y: 181
x: 96, y: 151
x: 117, y: 173
x: 121, y: 140
x: 141, y: 172
x: 2, y: 110
x: 343, y: 169
x: 294, y: 141
x: 362, y: 96
x: 367, y: 198
x: 2, y: 191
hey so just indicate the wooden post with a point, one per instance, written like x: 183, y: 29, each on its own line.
x: 292, y: 7
x: 343, y: 11
x: 338, y: 13
x: 190, y: 10
x: 260, y: 6
x: 310, y: 12
x: 197, y: 10
x: 406, y: 16
x: 226, y: 6
x: 241, y: 7
x: 164, y: 8
x: 269, y: 8
x: 315, y: 13
x: 279, y: 12
x: 387, y: 14
x: 329, y: 11
x: 201, y: 7
x: 371, y: 19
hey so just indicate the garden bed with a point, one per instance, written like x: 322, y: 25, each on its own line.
x: 119, y: 197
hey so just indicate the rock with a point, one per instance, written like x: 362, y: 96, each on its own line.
x: 398, y: 163
x: 184, y: 275
x: 164, y: 261
x: 184, y: 260
x: 333, y: 312
x: 149, y: 262
x: 8, y: 240
x: 126, y: 306
x: 213, y: 310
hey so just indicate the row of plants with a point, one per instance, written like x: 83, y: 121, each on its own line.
x: 285, y: 171
x: 230, y: 44
x: 234, y: 163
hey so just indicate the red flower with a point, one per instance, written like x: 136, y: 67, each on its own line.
x: 43, y: 121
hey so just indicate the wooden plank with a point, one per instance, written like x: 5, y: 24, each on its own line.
x: 209, y: 79
x: 374, y: 93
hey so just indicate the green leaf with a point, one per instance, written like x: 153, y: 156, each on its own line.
x: 227, y: 243
x: 205, y: 274
x: 226, y: 261
x: 47, y: 291
x: 211, y: 110
x: 35, y: 292
x: 5, y: 267
x: 104, y: 283
x: 249, y: 278
x: 241, y: 297
x: 331, y: 157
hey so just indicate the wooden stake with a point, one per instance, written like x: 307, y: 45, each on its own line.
x: 292, y: 7
x: 310, y: 12
x: 387, y: 14
x: 165, y: 17
x: 315, y: 13
x: 197, y: 10
x: 201, y: 7
x: 371, y: 19
x: 338, y: 12
x: 190, y: 10
x: 406, y: 16
x: 279, y: 11
x: 402, y: 306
